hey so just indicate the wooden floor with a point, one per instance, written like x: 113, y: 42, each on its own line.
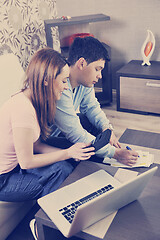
x: 120, y: 121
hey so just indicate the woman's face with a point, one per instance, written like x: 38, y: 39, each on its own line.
x: 60, y: 83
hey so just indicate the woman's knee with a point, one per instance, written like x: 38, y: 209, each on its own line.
x: 66, y: 168
x: 21, y: 187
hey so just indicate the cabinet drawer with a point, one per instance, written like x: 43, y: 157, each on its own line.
x: 140, y: 94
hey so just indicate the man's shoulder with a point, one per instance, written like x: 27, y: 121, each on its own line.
x: 84, y: 89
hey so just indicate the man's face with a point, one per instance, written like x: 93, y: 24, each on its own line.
x: 91, y: 73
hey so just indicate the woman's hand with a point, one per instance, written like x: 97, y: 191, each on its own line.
x: 128, y: 157
x: 80, y: 151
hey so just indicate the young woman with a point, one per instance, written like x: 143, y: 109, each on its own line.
x: 30, y: 169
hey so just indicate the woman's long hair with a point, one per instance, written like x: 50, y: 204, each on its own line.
x: 45, y: 65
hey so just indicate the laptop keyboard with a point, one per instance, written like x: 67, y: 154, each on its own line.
x: 69, y: 211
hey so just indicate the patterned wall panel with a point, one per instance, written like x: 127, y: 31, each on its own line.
x: 22, y: 27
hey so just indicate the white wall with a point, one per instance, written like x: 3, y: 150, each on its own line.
x: 127, y: 29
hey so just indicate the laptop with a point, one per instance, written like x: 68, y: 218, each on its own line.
x: 88, y: 200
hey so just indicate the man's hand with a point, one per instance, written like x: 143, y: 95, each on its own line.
x: 114, y: 141
x: 128, y: 157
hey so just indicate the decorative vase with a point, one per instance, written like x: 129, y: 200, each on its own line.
x: 148, y: 48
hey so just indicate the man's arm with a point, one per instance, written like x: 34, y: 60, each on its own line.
x: 91, y: 108
x: 68, y: 122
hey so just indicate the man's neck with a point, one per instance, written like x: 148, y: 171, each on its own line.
x: 72, y: 78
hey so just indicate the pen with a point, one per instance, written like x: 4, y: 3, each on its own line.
x: 128, y: 148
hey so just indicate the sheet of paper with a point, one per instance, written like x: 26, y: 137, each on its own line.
x: 124, y: 175
x: 100, y: 228
x: 145, y: 159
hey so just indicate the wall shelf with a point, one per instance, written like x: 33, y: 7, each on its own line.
x: 71, y: 26
x: 76, y: 20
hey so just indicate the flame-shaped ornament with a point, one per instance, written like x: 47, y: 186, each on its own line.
x: 148, y: 48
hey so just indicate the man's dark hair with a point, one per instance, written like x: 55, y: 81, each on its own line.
x: 90, y: 48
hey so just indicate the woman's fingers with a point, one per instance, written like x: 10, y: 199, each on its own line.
x: 81, y: 151
x: 89, y: 149
x: 85, y: 155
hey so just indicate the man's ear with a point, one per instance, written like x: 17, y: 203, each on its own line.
x: 81, y: 63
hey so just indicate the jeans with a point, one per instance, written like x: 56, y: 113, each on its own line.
x: 24, y: 185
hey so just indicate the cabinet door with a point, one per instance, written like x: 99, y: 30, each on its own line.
x: 140, y: 94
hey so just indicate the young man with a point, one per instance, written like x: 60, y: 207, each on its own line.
x: 87, y: 58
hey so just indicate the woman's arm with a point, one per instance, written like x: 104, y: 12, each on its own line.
x: 40, y: 147
x: 23, y: 142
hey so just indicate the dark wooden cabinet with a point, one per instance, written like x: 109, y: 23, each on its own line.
x: 138, y: 87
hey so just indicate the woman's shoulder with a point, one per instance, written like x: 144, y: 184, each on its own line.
x: 22, y: 108
x: 13, y: 100
x: 20, y: 100
x: 18, y: 96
